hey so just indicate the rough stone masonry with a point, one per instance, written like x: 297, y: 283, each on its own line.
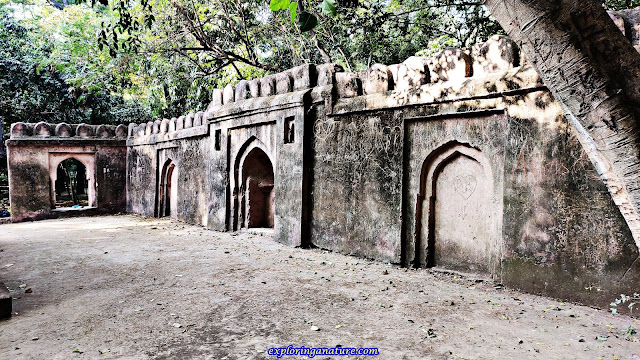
x: 462, y: 161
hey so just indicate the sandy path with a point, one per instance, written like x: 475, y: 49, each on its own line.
x: 132, y: 287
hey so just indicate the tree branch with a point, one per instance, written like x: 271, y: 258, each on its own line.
x: 56, y: 4
x: 220, y: 53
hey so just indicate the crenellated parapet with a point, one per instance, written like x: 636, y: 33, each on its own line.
x: 498, y: 54
x: 169, y: 129
x: 44, y: 130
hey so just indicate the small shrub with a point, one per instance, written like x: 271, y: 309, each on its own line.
x: 623, y: 299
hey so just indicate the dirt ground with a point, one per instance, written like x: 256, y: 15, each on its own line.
x: 128, y: 287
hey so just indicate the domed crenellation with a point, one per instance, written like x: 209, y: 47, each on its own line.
x: 348, y: 84
x: 451, y: 65
x: 20, y: 129
x: 148, y: 128
x: 254, y: 88
x: 284, y: 83
x: 188, y: 120
x: 242, y: 91
x: 84, y: 130
x: 105, y: 131
x: 141, y: 129
x: 304, y: 76
x: 64, y: 130
x: 326, y: 73
x: 411, y: 73
x: 180, y: 123
x: 393, y: 69
x: 499, y: 53
x: 268, y: 85
x: 198, y: 119
x: 216, y: 99
x: 43, y: 129
x: 164, y: 126
x: 228, y: 94
x: 377, y: 79
x: 121, y: 131
x: 47, y: 131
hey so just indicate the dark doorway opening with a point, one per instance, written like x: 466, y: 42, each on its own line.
x: 257, y: 190
x: 71, y: 186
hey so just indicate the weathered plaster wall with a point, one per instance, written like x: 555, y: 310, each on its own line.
x: 190, y: 188
x: 563, y: 234
x: 357, y: 185
x: 218, y: 178
x: 29, y: 183
x: 111, y: 173
x: 552, y: 225
x: 142, y: 176
x: 369, y: 152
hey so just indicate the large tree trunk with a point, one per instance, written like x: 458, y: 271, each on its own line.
x: 594, y: 72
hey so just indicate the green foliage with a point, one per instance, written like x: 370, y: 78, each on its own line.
x: 307, y: 21
x: 388, y: 32
x: 42, y: 76
x: 276, y: 5
x: 329, y: 8
x: 293, y: 10
x: 620, y: 4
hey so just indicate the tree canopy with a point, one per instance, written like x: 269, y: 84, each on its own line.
x: 134, y: 60
x: 121, y: 61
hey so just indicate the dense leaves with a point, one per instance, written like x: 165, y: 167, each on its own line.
x: 620, y: 4
x: 36, y: 83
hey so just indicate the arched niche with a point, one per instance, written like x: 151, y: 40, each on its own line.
x: 252, y: 183
x: 168, y: 190
x: 88, y: 161
x: 456, y: 218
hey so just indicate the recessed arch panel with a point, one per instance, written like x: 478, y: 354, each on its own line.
x: 456, y: 219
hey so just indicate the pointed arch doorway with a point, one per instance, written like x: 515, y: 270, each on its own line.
x: 167, y: 201
x: 254, y: 192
